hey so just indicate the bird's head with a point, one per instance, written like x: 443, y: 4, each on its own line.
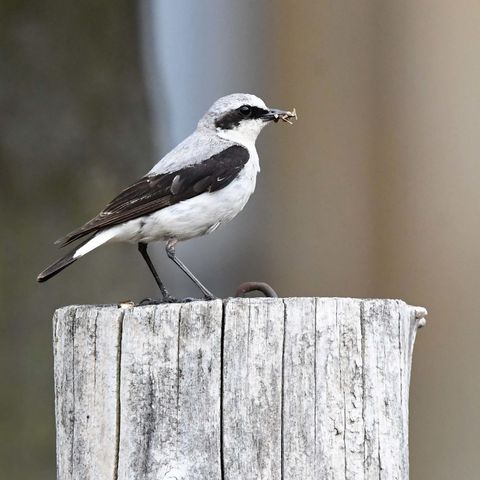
x: 240, y: 117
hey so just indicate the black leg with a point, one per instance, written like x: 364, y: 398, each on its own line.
x: 142, y: 248
x: 170, y: 249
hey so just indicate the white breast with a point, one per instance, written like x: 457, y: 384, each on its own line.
x: 195, y: 216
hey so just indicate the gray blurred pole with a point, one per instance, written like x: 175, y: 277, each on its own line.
x: 195, y: 52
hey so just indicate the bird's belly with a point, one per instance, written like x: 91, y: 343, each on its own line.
x: 193, y: 217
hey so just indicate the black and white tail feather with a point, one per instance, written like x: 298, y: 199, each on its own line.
x: 61, y: 263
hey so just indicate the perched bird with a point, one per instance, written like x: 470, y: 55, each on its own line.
x: 203, y: 182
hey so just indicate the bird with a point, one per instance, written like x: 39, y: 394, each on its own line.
x: 202, y: 183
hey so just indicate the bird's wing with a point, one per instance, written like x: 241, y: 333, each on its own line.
x: 154, y: 192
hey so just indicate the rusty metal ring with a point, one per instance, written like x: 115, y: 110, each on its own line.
x: 262, y: 287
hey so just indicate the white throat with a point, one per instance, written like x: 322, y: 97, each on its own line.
x: 245, y: 139
x: 245, y: 134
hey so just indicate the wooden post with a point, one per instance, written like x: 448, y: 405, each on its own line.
x: 292, y: 389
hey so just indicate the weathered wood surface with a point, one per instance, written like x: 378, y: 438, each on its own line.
x: 293, y: 389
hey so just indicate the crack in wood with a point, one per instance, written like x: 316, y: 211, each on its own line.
x: 179, y: 372
x: 72, y: 455
x: 315, y: 387
x: 282, y: 397
x: 118, y: 398
x: 222, y: 388
x: 95, y: 355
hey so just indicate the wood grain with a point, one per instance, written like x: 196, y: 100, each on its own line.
x: 293, y: 389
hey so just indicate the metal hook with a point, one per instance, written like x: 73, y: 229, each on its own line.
x: 262, y: 287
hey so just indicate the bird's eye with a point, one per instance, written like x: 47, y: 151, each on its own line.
x: 245, y: 110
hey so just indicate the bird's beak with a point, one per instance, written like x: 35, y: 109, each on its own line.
x: 284, y: 115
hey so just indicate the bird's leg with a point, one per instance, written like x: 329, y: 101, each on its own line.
x: 170, y: 249
x: 142, y: 248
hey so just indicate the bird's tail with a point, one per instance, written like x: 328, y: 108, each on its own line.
x: 79, y: 251
x: 57, y: 266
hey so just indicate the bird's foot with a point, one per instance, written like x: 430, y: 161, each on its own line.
x: 209, y: 296
x: 148, y: 301
x: 153, y: 301
x: 190, y: 299
x: 170, y: 299
x: 193, y: 299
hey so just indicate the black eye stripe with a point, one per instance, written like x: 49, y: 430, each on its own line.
x: 245, y: 110
x: 233, y: 118
x: 258, y: 112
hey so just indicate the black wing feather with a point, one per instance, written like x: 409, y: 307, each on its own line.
x: 152, y: 193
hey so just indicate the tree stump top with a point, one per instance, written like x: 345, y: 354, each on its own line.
x: 294, y: 388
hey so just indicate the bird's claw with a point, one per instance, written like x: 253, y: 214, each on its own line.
x: 189, y: 299
x: 152, y: 301
x: 209, y: 297
x: 149, y: 301
x: 193, y: 299
x: 171, y: 299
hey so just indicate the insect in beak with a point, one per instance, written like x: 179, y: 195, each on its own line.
x: 284, y: 115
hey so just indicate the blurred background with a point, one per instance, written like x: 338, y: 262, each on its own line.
x: 373, y: 193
